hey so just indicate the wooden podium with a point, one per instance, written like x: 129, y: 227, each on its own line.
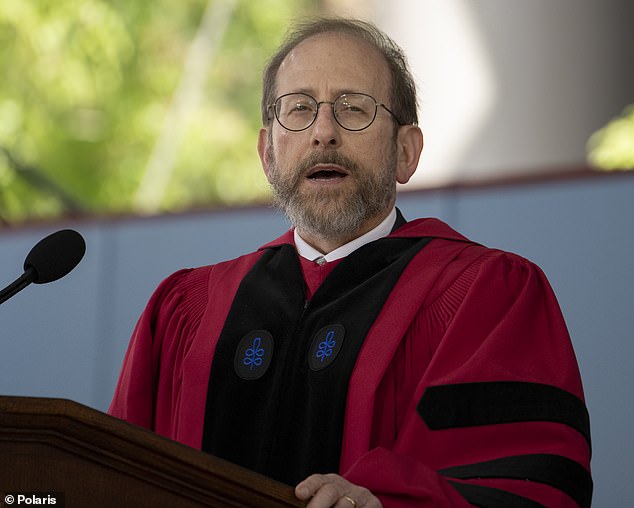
x: 55, y: 445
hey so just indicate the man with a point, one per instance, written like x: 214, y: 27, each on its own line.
x: 368, y: 360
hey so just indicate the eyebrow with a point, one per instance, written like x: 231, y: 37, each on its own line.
x: 336, y: 93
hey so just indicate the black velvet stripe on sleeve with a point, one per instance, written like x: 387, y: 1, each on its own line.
x: 488, y: 497
x: 554, y: 470
x: 488, y: 403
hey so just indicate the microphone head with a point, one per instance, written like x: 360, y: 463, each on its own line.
x: 55, y: 256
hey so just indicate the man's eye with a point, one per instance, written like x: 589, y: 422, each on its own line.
x: 352, y: 109
x: 299, y: 107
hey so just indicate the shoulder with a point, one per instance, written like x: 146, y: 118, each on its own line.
x: 458, y: 250
x: 187, y: 291
x: 459, y: 263
x: 492, y: 274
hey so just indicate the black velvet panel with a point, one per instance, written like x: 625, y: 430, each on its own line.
x: 264, y: 301
x: 400, y: 221
x: 288, y: 423
x: 473, y: 404
x: 554, y: 470
x: 488, y: 497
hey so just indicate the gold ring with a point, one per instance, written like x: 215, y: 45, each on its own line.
x: 352, y: 501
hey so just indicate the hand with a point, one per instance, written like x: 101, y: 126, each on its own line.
x: 332, y: 490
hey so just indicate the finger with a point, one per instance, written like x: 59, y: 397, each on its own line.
x: 347, y: 501
x: 309, y: 487
x: 332, y: 490
x: 358, y: 497
x: 326, y: 497
x: 324, y: 491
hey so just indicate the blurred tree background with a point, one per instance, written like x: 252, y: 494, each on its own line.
x: 117, y: 106
x: 612, y: 147
x: 148, y: 106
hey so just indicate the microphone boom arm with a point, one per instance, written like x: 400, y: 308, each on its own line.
x: 18, y: 284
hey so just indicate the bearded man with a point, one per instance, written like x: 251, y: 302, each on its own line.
x: 367, y: 360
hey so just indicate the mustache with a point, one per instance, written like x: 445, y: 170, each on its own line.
x: 326, y: 158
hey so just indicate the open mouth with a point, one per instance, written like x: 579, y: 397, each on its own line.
x: 324, y: 173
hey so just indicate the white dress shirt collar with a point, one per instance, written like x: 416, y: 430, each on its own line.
x: 309, y: 252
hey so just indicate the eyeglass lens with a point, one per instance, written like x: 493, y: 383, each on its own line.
x: 297, y: 111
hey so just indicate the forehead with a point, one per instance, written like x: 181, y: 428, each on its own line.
x: 334, y: 63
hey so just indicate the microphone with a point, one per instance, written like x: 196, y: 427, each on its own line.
x: 50, y: 259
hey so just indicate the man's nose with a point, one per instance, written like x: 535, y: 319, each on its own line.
x: 325, y: 130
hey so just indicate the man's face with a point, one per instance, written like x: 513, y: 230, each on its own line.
x: 333, y: 183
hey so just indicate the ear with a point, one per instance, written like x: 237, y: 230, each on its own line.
x: 263, y: 150
x: 409, y: 145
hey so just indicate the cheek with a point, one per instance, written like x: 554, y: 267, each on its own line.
x: 372, y: 151
x: 288, y: 147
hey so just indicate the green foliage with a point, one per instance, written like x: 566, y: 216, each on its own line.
x: 612, y: 147
x: 87, y: 88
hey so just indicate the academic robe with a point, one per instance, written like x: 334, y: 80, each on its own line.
x: 466, y: 389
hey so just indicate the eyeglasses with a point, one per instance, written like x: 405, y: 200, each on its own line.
x: 353, y: 111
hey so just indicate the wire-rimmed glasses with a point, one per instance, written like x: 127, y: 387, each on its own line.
x: 352, y: 111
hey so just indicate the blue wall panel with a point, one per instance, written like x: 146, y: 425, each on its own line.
x: 67, y: 339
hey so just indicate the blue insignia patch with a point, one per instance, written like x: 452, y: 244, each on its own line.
x: 253, y: 355
x: 325, y: 346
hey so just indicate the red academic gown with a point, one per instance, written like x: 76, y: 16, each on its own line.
x: 461, y: 315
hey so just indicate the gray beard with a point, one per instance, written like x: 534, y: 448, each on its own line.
x: 334, y: 214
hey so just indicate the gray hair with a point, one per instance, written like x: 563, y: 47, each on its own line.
x: 403, y: 101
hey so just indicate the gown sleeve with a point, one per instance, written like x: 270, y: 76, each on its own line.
x: 160, y: 339
x: 482, y: 403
